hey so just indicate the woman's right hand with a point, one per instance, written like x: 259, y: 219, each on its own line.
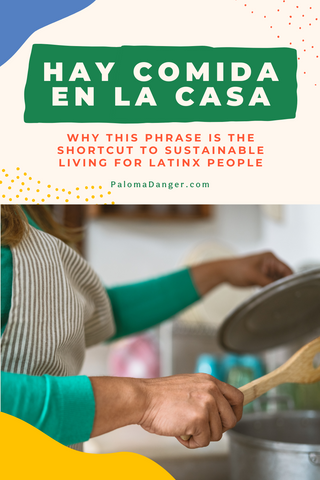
x: 196, y: 405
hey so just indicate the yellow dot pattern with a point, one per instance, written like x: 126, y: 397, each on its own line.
x: 42, y: 193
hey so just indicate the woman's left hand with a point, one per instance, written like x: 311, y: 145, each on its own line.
x: 259, y: 269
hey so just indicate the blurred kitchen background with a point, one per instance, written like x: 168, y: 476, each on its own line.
x: 128, y: 243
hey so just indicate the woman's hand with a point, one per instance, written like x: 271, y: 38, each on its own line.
x: 260, y: 269
x: 197, y: 404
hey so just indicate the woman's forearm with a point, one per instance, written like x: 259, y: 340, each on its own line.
x: 208, y: 275
x: 142, y: 305
x: 119, y: 402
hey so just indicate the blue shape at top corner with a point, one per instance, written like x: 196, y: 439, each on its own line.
x: 20, y: 18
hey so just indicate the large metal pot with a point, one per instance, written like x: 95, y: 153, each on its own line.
x: 277, y: 446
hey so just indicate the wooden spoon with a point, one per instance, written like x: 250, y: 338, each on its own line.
x: 298, y: 369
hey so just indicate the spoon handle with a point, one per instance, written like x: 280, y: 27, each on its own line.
x: 258, y: 387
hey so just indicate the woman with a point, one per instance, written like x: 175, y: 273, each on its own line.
x: 53, y: 306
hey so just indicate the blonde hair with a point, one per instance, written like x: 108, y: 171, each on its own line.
x: 14, y: 224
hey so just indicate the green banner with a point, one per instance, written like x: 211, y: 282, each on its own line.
x: 151, y: 84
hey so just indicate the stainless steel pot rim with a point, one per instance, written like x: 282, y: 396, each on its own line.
x: 254, y: 442
x: 274, y: 445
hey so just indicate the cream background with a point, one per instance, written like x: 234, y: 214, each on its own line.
x: 291, y: 163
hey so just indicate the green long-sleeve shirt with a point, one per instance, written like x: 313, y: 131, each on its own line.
x: 64, y: 407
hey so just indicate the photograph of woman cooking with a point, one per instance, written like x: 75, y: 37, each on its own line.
x: 53, y: 306
x: 185, y: 309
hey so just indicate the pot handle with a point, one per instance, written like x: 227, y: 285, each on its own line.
x: 314, y: 458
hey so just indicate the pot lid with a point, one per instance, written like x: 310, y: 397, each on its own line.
x: 278, y: 313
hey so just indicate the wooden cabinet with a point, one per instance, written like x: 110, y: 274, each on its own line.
x: 151, y: 212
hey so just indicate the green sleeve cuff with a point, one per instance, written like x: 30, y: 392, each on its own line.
x: 77, y: 408
x: 143, y: 305
x: 61, y: 407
